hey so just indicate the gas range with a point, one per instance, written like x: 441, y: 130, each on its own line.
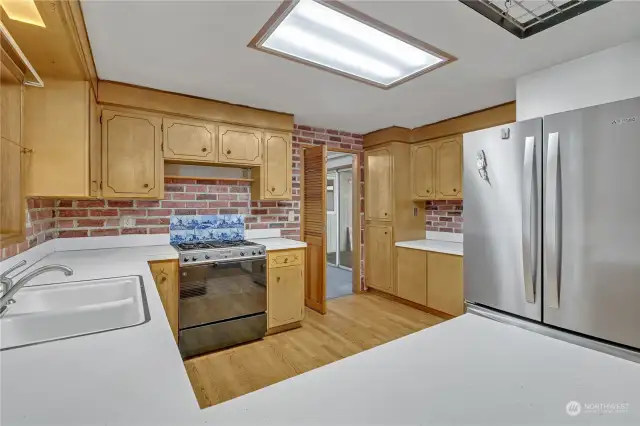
x: 202, y: 252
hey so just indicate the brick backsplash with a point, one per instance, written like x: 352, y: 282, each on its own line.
x: 444, y: 216
x: 94, y: 218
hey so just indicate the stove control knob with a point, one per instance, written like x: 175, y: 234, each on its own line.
x: 186, y: 259
x: 206, y: 256
x: 241, y: 253
x: 261, y: 252
x: 194, y: 258
x: 253, y: 253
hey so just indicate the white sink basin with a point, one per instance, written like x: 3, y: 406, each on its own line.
x: 61, y: 311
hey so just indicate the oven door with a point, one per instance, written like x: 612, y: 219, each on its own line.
x: 221, y: 291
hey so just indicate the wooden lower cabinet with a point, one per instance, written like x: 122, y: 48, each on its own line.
x: 165, y: 274
x: 285, y: 289
x: 445, y: 283
x: 378, y: 263
x: 412, y: 275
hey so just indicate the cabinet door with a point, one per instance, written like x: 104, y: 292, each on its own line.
x: 12, y: 200
x: 239, y: 145
x: 378, y: 184
x: 285, y: 291
x: 411, y: 275
x: 378, y: 263
x: 444, y: 283
x: 95, y: 147
x: 423, y: 171
x: 449, y: 168
x: 165, y: 274
x: 189, y: 140
x: 132, y: 156
x: 276, y: 170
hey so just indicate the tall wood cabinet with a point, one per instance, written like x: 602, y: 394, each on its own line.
x: 12, y: 199
x: 62, y: 128
x: 436, y: 169
x: 132, y: 163
x: 390, y: 213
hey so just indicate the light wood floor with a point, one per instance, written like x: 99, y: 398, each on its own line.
x: 352, y: 324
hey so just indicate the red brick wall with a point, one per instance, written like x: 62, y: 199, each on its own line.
x: 93, y: 218
x: 444, y: 216
x: 40, y: 227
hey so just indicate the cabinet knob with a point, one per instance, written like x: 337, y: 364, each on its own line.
x: 228, y: 151
x: 385, y: 214
x: 163, y: 279
x: 454, y: 190
x: 204, y: 149
x: 273, y: 188
x: 146, y: 185
x: 428, y: 191
x: 286, y: 260
x: 277, y: 279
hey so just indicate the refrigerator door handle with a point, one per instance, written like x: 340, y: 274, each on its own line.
x: 527, y: 193
x: 551, y: 226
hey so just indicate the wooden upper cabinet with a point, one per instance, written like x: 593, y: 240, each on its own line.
x: 423, y: 171
x: 449, y: 168
x: 378, y: 248
x: 131, y: 155
x: 12, y: 199
x: 285, y: 296
x: 276, y: 170
x: 62, y: 128
x: 378, y: 184
x: 189, y: 140
x: 239, y: 145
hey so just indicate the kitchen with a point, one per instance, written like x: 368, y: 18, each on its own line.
x: 109, y: 167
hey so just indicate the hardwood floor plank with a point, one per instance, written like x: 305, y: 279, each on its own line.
x: 352, y: 324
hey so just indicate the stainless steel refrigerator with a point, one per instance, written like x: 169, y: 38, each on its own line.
x: 552, y: 221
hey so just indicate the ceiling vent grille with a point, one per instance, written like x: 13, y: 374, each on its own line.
x: 524, y: 18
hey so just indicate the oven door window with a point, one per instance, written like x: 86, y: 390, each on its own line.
x: 221, y: 291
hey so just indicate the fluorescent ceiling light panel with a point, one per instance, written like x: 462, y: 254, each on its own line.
x: 335, y: 37
x: 23, y: 11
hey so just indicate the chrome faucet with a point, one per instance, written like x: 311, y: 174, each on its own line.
x: 11, y: 289
x: 7, y: 282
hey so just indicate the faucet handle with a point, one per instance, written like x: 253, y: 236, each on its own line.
x: 13, y: 268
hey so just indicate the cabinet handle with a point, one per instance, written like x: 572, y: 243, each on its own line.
x: 204, y: 149
x: 163, y: 279
x: 146, y: 185
x: 286, y: 259
x: 454, y: 190
x: 228, y: 151
x: 273, y: 188
x: 428, y: 191
x: 385, y: 232
x: 385, y: 214
x: 277, y: 279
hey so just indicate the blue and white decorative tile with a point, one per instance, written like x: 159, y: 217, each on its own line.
x: 207, y: 221
x: 182, y: 236
x: 182, y: 223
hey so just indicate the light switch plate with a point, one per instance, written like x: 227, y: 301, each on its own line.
x: 127, y: 221
x: 291, y: 216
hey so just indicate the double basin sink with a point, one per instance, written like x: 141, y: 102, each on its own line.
x: 50, y: 312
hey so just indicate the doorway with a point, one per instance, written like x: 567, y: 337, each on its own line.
x: 339, y: 224
x: 330, y: 223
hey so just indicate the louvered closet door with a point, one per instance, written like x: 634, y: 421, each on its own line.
x: 314, y: 218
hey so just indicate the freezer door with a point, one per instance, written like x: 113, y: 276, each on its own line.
x: 592, y: 221
x: 502, y: 258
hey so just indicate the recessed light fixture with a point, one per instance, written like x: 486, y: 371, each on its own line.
x: 337, y: 38
x: 23, y: 11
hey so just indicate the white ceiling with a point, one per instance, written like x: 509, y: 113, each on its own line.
x: 199, y: 48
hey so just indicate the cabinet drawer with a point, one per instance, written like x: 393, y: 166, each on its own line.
x: 285, y: 258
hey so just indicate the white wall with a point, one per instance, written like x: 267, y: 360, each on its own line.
x: 606, y: 76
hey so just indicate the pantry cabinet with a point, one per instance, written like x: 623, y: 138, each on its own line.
x: 378, y: 169
x: 239, y: 145
x: 12, y: 197
x: 190, y: 140
x: 285, y: 288
x: 131, y: 155
x: 378, y: 262
x: 165, y: 275
x: 436, y: 169
x: 62, y: 130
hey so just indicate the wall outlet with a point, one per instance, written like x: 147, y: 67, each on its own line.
x: 291, y: 216
x: 127, y: 221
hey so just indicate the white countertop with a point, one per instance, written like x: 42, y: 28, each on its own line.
x: 447, y: 247
x: 279, y: 243
x: 469, y: 370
